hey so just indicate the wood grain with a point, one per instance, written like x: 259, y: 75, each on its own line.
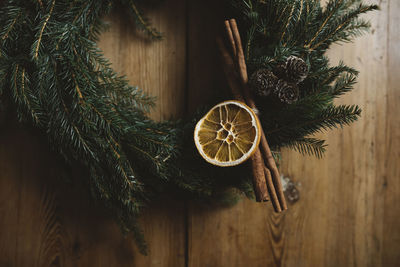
x: 348, y: 228
x: 159, y: 69
x: 348, y: 212
x: 43, y: 221
x: 29, y: 230
x: 218, y: 237
x: 389, y: 142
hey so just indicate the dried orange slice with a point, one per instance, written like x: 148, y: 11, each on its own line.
x: 228, y: 134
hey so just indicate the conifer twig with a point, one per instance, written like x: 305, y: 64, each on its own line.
x: 144, y: 24
x: 5, y: 36
x: 43, y: 27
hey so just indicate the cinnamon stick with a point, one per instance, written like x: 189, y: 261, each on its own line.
x: 230, y: 37
x: 270, y: 185
x: 273, y: 180
x: 239, y: 51
x: 269, y: 159
x: 270, y: 162
x: 229, y: 70
x: 260, y: 188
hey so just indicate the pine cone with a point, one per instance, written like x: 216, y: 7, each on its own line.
x: 262, y: 82
x: 286, y: 92
x: 296, y: 69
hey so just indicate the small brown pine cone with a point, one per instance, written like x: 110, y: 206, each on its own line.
x: 286, y: 92
x: 262, y: 82
x: 296, y: 69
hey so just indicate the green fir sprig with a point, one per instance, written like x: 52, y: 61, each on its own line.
x: 281, y: 28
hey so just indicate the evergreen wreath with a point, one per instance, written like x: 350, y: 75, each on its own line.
x: 58, y: 80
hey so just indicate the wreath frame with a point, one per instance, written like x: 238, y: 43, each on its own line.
x: 57, y: 79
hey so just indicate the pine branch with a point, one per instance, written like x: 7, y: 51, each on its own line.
x: 15, y: 15
x: 343, y: 85
x: 329, y: 35
x: 332, y: 8
x: 308, y: 146
x: 141, y: 21
x: 327, y: 75
x: 42, y: 27
x: 329, y: 118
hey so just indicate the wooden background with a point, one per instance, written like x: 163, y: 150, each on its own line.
x: 348, y: 213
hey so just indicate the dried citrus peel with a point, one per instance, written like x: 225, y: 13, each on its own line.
x: 228, y: 134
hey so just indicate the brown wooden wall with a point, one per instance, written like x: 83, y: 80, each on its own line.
x: 349, y: 208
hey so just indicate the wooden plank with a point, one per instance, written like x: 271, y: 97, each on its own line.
x: 27, y: 225
x: 44, y: 221
x: 342, y: 208
x: 238, y: 236
x: 390, y: 134
x: 347, y: 214
x: 205, y: 79
x: 159, y: 69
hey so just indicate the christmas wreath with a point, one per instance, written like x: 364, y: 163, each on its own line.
x: 58, y: 80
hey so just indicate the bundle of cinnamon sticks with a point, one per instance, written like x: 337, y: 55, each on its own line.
x: 266, y: 177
